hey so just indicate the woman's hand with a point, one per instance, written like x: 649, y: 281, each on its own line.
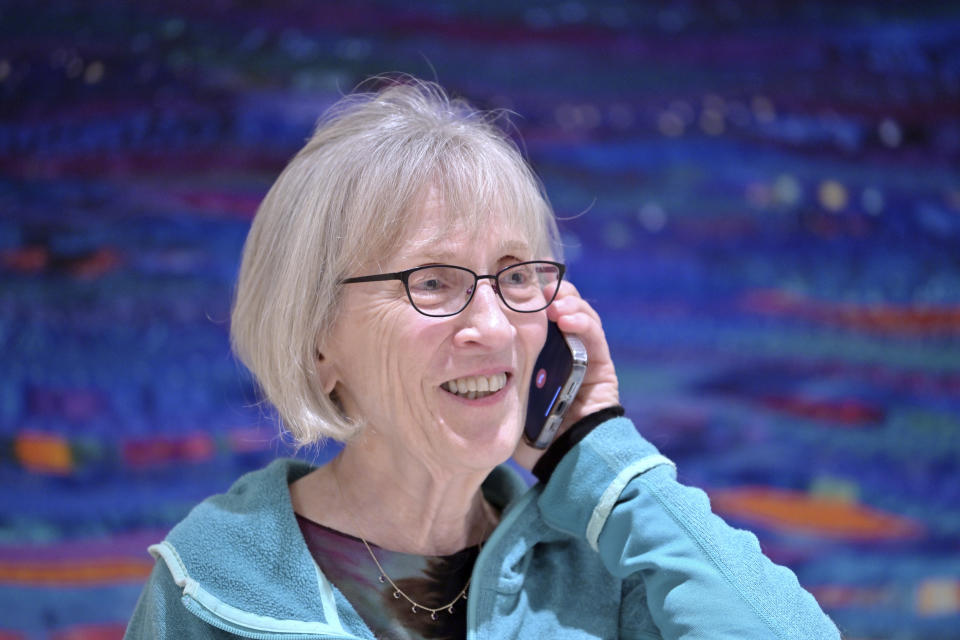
x: 600, y: 388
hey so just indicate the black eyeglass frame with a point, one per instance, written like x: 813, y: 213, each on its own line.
x: 404, y: 277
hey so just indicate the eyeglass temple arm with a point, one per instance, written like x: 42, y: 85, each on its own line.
x: 374, y: 278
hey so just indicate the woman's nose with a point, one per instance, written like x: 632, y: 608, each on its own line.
x: 486, y: 316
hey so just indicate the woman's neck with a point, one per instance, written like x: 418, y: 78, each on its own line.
x: 397, y: 502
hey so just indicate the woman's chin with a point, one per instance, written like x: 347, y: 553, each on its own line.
x: 483, y: 444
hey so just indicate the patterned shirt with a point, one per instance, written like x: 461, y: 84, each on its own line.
x: 432, y: 581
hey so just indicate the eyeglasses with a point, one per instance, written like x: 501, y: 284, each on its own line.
x: 446, y: 290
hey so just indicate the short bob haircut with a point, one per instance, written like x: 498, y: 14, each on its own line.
x: 345, y: 199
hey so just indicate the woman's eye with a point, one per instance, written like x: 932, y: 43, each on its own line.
x: 518, y: 276
x: 430, y: 285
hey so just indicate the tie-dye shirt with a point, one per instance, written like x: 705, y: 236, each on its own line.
x: 432, y: 581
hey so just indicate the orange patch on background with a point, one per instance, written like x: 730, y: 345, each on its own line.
x: 43, y: 452
x: 938, y: 597
x: 799, y: 512
x: 75, y: 572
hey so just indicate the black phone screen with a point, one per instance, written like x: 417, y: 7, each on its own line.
x: 553, y: 368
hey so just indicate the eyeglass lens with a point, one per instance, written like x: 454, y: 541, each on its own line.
x: 446, y: 290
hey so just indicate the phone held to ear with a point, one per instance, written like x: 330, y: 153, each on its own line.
x: 556, y: 379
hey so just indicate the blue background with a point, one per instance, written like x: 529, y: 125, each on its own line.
x: 762, y: 199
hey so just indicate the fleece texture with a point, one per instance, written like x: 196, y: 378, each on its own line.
x: 610, y: 546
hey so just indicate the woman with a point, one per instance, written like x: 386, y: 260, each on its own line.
x: 394, y: 294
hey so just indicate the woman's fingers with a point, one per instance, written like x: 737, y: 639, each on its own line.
x: 600, y: 388
x: 569, y: 299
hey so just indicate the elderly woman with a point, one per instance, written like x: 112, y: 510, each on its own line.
x: 394, y: 295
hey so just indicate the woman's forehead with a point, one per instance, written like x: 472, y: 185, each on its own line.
x: 432, y: 230
x: 458, y: 241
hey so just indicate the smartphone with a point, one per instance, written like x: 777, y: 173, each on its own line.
x: 556, y: 379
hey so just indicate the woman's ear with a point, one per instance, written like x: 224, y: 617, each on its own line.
x: 326, y: 372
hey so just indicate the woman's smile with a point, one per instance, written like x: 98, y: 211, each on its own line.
x: 478, y: 387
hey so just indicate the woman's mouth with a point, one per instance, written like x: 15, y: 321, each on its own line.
x: 473, y: 387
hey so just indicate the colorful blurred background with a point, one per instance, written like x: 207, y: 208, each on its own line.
x: 762, y: 198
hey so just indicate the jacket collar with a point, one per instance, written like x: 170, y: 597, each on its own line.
x: 241, y: 559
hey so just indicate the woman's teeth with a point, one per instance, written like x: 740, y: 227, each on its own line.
x: 476, y: 386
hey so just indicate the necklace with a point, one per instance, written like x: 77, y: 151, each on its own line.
x: 414, y: 605
x: 397, y: 591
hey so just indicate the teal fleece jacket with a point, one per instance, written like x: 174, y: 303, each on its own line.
x: 611, y: 546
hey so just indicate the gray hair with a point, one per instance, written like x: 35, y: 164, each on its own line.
x: 347, y: 197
